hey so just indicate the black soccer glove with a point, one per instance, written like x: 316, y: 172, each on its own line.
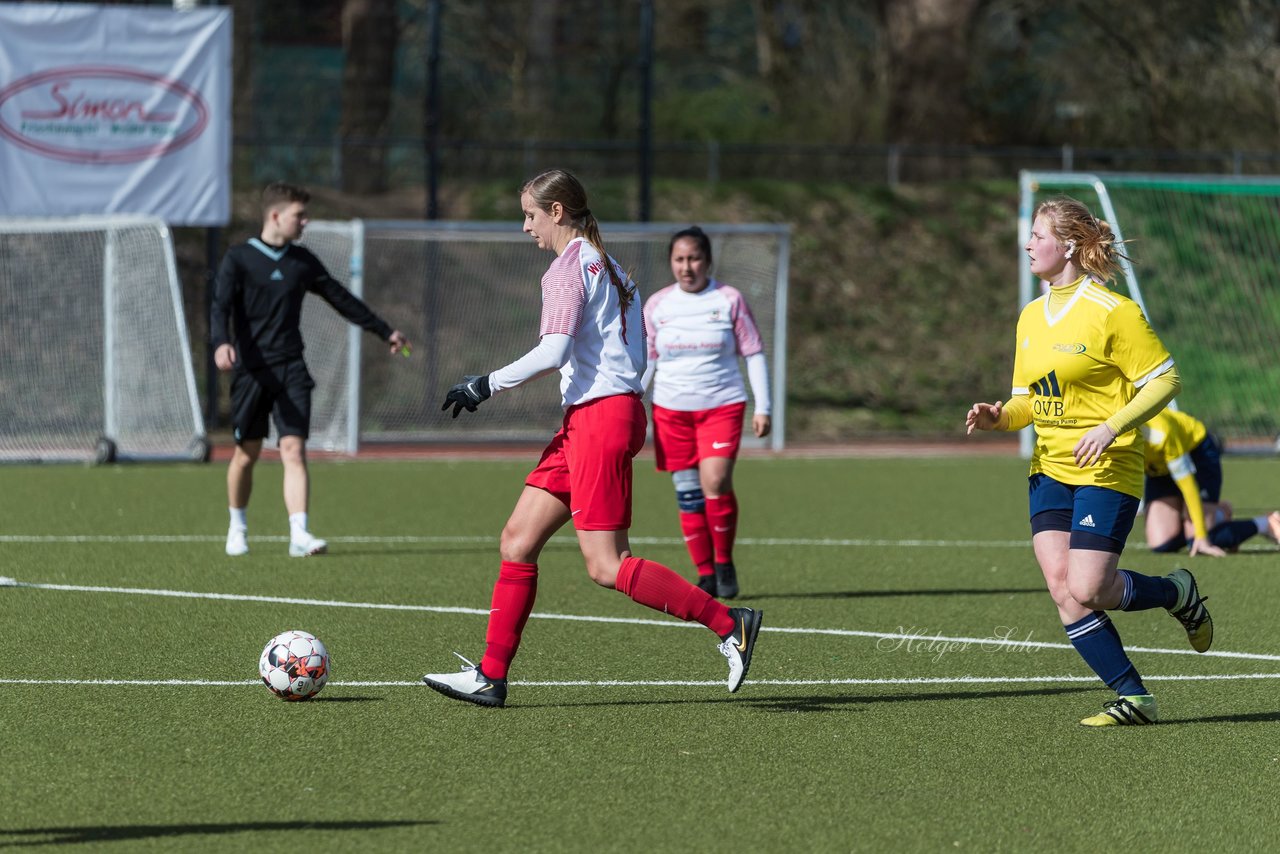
x: 468, y: 394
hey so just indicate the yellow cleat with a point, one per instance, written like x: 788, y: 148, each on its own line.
x: 1137, y: 710
x: 1190, y: 610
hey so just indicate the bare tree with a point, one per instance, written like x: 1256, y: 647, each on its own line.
x: 535, y: 74
x: 242, y: 66
x: 928, y: 65
x: 370, y: 31
x: 823, y: 64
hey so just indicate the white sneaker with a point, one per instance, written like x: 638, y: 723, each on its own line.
x: 305, y: 545
x: 237, y: 542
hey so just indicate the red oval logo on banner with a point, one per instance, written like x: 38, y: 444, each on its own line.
x: 101, y: 114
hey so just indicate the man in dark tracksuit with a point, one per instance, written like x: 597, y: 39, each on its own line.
x: 259, y: 288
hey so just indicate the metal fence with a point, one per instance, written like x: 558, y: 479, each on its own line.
x: 263, y: 159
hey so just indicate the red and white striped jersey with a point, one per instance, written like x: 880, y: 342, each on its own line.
x: 695, y: 341
x: 579, y: 299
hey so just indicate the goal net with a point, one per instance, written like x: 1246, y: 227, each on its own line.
x: 467, y: 294
x: 95, y: 361
x: 1207, y: 251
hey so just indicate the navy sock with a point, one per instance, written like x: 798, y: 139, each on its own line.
x: 1173, y: 544
x: 1228, y: 535
x: 1144, y: 592
x: 1098, y: 643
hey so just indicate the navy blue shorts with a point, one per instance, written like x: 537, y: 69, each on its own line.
x: 1098, y: 518
x: 1207, y: 457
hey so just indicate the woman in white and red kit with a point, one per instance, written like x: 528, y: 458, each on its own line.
x: 698, y: 329
x: 592, y: 331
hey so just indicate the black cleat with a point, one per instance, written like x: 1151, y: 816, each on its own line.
x: 740, y: 643
x: 707, y: 583
x: 726, y: 580
x: 1190, y: 610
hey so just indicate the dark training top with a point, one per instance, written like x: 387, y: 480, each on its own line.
x: 262, y: 287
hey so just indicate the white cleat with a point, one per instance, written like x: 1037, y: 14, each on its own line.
x: 237, y: 542
x: 470, y: 684
x: 306, y: 546
x: 739, y: 644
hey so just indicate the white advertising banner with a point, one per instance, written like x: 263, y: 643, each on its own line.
x: 109, y: 109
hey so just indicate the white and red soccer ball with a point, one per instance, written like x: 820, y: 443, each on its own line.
x: 294, y: 665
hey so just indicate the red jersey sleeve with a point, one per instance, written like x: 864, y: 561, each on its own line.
x: 745, y: 331
x: 564, y: 294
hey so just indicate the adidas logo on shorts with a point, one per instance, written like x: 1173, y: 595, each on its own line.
x: 1087, y: 522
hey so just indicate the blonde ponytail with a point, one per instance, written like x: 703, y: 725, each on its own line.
x: 1096, y: 250
x: 557, y: 185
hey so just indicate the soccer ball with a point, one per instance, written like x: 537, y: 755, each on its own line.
x: 294, y: 665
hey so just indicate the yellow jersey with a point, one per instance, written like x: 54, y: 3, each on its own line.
x: 1079, y: 363
x: 1171, y: 437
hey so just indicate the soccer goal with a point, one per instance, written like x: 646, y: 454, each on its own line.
x: 95, y: 361
x: 467, y: 294
x: 1207, y: 251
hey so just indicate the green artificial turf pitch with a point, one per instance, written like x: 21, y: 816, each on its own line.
x: 879, y: 713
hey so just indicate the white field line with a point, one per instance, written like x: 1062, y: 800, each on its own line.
x: 915, y: 640
x: 562, y: 540
x: 661, y: 683
x: 493, y: 540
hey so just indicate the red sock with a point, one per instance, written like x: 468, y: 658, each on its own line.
x: 659, y: 588
x: 513, y: 596
x: 722, y: 517
x: 697, y: 539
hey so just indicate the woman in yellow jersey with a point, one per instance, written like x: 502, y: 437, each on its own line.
x: 1183, y: 491
x: 1088, y: 371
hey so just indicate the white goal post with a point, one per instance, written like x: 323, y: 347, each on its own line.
x: 95, y: 360
x: 1207, y: 248
x: 467, y: 294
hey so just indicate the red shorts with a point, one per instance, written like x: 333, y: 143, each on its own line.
x: 681, y: 439
x: 588, y: 463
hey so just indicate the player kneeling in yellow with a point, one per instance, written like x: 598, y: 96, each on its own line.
x: 1183, y: 491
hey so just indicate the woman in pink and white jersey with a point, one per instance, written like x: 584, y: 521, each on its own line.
x: 698, y: 328
x: 592, y: 331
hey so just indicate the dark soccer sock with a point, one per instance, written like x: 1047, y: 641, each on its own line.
x: 513, y: 596
x: 722, y: 516
x: 1174, y: 544
x: 1228, y: 535
x: 653, y: 585
x: 697, y: 539
x: 1144, y: 592
x: 1098, y: 643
